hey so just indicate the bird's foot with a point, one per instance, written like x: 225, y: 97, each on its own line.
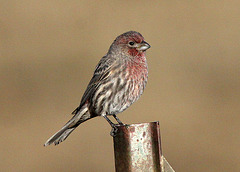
x: 114, y: 131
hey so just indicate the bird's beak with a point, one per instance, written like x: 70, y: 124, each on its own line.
x: 143, y: 46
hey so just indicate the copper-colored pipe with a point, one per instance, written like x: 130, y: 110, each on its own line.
x: 137, y: 148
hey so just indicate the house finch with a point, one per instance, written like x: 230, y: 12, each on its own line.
x: 118, y: 81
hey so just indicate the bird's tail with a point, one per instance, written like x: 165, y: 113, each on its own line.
x: 80, y: 116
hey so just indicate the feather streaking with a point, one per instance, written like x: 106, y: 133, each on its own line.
x: 118, y: 81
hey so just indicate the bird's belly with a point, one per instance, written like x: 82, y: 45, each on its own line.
x: 118, y: 103
x: 117, y: 95
x: 125, y: 97
x: 112, y: 101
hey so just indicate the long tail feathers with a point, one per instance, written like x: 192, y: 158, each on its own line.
x: 60, y: 136
x: 68, y: 128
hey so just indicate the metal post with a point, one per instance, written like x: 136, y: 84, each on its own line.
x: 137, y: 147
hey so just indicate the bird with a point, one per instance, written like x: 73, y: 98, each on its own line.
x: 118, y: 81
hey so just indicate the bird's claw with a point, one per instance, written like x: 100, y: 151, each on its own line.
x: 114, y: 131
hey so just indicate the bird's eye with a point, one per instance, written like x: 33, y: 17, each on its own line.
x: 131, y: 43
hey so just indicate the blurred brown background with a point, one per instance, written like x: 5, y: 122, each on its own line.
x: 49, y: 49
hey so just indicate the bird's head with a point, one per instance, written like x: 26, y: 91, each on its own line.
x: 131, y: 43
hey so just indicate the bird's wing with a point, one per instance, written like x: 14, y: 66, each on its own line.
x: 101, y: 72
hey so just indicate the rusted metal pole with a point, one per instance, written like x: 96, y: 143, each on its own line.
x: 137, y: 147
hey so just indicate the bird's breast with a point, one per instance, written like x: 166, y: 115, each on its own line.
x: 123, y: 86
